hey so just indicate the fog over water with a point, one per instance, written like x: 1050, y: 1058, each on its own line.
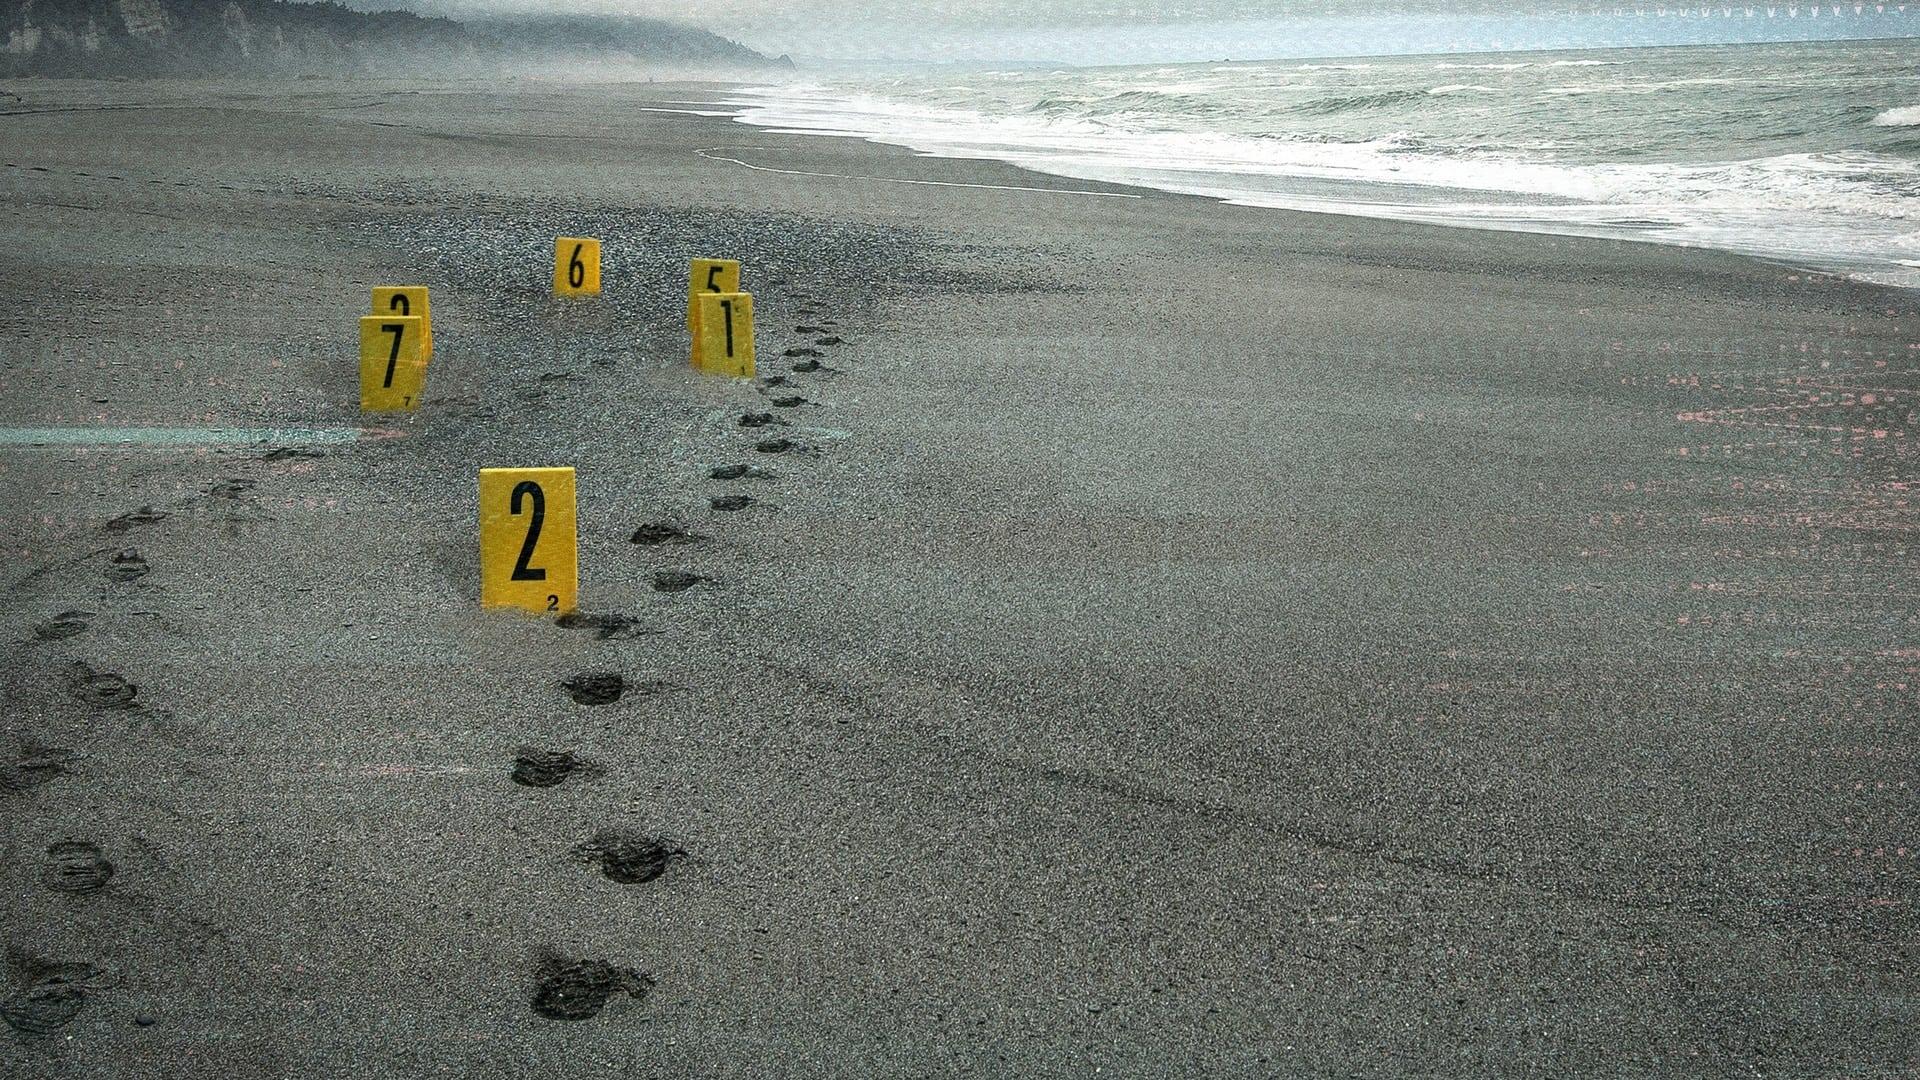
x: 1088, y: 32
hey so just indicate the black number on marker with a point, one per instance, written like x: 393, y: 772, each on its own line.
x: 576, y: 270
x: 712, y: 270
x: 727, y: 306
x: 553, y: 602
x: 398, y: 330
x: 399, y: 304
x: 521, y: 571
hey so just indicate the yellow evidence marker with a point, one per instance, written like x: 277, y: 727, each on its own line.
x: 709, y: 276
x: 576, y: 266
x: 393, y: 362
x: 407, y: 300
x: 723, y: 344
x: 529, y: 549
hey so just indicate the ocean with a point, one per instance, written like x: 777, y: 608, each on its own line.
x: 1807, y: 153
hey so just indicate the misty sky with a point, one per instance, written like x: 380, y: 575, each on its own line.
x: 824, y: 14
x: 1129, y: 31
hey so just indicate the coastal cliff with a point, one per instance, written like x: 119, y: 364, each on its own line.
x: 215, y: 38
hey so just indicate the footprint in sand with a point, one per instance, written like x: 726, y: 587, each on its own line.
x: 811, y: 365
x: 792, y: 401
x: 831, y: 341
x: 656, y: 533
x: 628, y: 859
x: 759, y: 419
x: 580, y: 989
x: 231, y: 488
x: 126, y: 565
x: 76, y: 866
x: 675, y: 580
x: 774, y: 446
x: 284, y: 453
x: 595, y: 687
x: 62, y: 626
x: 802, y: 352
x: 54, y: 994
x: 100, y: 689
x: 607, y: 626
x: 740, y: 472
x: 546, y: 768
x: 730, y: 502
x: 126, y: 522
x: 36, y: 765
x: 809, y: 329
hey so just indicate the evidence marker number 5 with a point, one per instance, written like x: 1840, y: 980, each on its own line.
x: 529, y: 542
x: 709, y: 276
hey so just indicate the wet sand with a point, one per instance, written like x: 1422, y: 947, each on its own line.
x: 1166, y: 639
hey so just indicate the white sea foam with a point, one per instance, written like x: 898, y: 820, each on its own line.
x: 1346, y: 141
x: 1787, y: 181
x: 1614, y: 88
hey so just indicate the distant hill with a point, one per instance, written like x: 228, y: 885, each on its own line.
x: 614, y: 37
x: 214, y: 38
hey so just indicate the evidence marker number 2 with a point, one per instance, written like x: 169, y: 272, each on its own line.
x: 529, y: 542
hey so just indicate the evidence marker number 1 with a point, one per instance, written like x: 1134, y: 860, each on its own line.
x: 709, y: 276
x: 529, y: 543
x: 723, y: 342
x: 393, y: 363
x: 576, y: 266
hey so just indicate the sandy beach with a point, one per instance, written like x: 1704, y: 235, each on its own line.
x: 1163, y: 637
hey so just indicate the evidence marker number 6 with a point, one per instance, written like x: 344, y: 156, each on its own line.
x: 576, y: 266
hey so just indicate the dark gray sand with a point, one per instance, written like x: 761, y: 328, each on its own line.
x: 1175, y: 639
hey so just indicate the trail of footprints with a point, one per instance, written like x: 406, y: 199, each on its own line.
x: 50, y: 994
x: 570, y: 988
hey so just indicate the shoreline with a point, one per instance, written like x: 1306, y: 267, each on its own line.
x: 723, y: 88
x: 899, y: 143
x: 1157, y: 636
x: 1654, y: 200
